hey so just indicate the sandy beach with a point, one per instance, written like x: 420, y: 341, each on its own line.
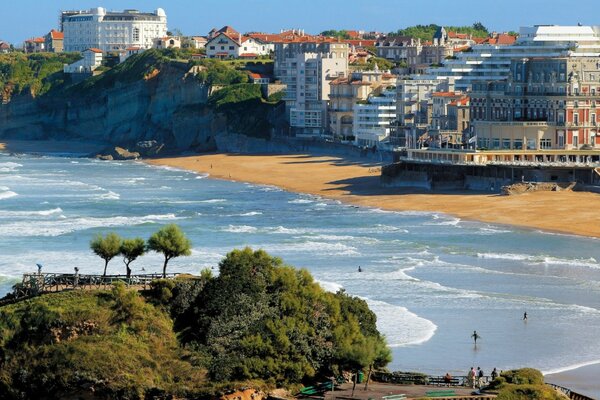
x: 356, y: 182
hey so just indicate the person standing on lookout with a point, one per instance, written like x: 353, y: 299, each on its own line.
x: 475, y: 336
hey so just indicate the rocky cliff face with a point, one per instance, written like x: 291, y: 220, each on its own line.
x: 168, y: 106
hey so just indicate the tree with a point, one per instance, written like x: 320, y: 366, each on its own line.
x: 106, y: 247
x: 131, y: 249
x: 171, y: 242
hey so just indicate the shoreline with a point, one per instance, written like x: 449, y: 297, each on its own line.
x: 356, y: 182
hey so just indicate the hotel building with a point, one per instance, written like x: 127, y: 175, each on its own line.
x: 112, y: 31
x: 373, y: 119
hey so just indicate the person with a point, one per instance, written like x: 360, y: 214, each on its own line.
x: 448, y: 378
x: 39, y: 268
x: 473, y: 377
x: 76, y: 278
x: 479, y: 377
x: 475, y: 336
x: 359, y: 269
x: 494, y: 374
x: 525, y: 316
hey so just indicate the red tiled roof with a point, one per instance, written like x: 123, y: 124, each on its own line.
x: 504, y: 39
x: 461, y: 48
x: 353, y: 34
x: 56, y: 35
x: 228, y: 30
x: 360, y: 42
x: 36, y: 40
x: 445, y: 94
x: 222, y: 54
x: 455, y: 35
x: 93, y: 49
x: 133, y: 48
x: 249, y: 55
x: 254, y: 75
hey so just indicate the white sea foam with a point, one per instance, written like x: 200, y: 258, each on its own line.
x: 109, y: 196
x: 44, y: 213
x: 545, y: 260
x: 400, y: 326
x: 210, y: 201
x: 9, y: 166
x: 300, y: 201
x: 57, y: 227
x: 571, y: 367
x: 7, y: 195
x: 507, y: 256
x: 332, y: 287
x: 321, y: 248
x: 250, y: 214
x: 240, y: 229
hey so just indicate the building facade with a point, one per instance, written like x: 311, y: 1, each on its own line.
x: 112, y: 31
x: 307, y: 67
x: 450, y: 120
x: 34, y: 45
x: 346, y: 92
x: 92, y: 59
x: 54, y: 41
x: 545, y: 103
x: 414, y: 109
x: 373, y: 120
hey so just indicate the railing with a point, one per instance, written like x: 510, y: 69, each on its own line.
x: 569, y: 393
x: 34, y: 284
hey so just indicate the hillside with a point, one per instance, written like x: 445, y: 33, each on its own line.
x: 259, y: 323
x: 159, y: 95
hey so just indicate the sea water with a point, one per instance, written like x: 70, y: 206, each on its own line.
x: 431, y: 279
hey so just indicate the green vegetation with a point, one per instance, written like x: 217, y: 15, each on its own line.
x: 131, y: 249
x: 258, y: 323
x: 260, y: 319
x: 218, y: 72
x: 523, y: 384
x: 35, y: 73
x: 111, y: 344
x: 107, y: 247
x: 171, y: 242
x: 343, y: 34
x: 426, y: 32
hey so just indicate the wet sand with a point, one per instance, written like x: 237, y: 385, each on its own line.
x: 357, y: 182
x: 584, y: 380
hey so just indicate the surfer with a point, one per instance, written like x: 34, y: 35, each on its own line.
x: 359, y: 269
x: 525, y: 316
x: 475, y: 336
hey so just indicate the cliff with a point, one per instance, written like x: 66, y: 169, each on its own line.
x: 149, y: 97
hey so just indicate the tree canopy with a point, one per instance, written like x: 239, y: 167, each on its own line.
x: 261, y: 319
x: 106, y: 247
x: 426, y: 32
x: 171, y: 242
x: 131, y: 249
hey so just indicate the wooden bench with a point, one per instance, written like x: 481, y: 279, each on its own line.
x: 441, y: 381
x: 440, y: 393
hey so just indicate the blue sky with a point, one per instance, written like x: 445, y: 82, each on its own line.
x: 21, y: 19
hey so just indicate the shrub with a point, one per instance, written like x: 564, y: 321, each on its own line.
x: 523, y: 376
x: 528, y: 392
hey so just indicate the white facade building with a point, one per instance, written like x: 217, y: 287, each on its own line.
x: 372, y: 121
x: 92, y: 59
x: 492, y: 62
x: 112, y: 31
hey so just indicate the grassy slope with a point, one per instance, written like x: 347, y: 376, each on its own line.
x: 112, y: 341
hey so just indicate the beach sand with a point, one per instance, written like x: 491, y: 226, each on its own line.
x: 356, y: 182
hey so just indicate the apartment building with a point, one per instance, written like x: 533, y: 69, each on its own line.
x: 348, y: 91
x: 545, y: 103
x: 373, y: 119
x: 35, y: 45
x: 416, y: 54
x: 414, y: 109
x: 308, y: 65
x: 491, y: 60
x: 112, y: 31
x: 450, y: 120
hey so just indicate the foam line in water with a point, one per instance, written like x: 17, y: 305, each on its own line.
x: 571, y: 367
x: 7, y: 195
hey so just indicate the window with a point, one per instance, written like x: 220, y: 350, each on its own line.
x: 546, y: 143
x: 531, y: 144
x: 506, y: 144
x: 212, y: 47
x: 518, y: 143
x: 593, y: 119
x: 231, y: 47
x: 575, y: 141
x: 136, y: 34
x: 575, y: 118
x: 495, y: 143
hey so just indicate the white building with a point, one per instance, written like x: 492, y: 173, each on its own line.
x: 229, y: 43
x: 307, y: 68
x: 372, y: 121
x: 492, y: 62
x: 92, y: 59
x: 112, y: 31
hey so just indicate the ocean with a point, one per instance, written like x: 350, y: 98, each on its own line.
x: 431, y: 279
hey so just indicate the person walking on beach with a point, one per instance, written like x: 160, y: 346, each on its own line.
x: 475, y: 336
x: 359, y: 269
x: 525, y: 316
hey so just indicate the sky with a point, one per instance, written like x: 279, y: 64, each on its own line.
x: 23, y: 19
